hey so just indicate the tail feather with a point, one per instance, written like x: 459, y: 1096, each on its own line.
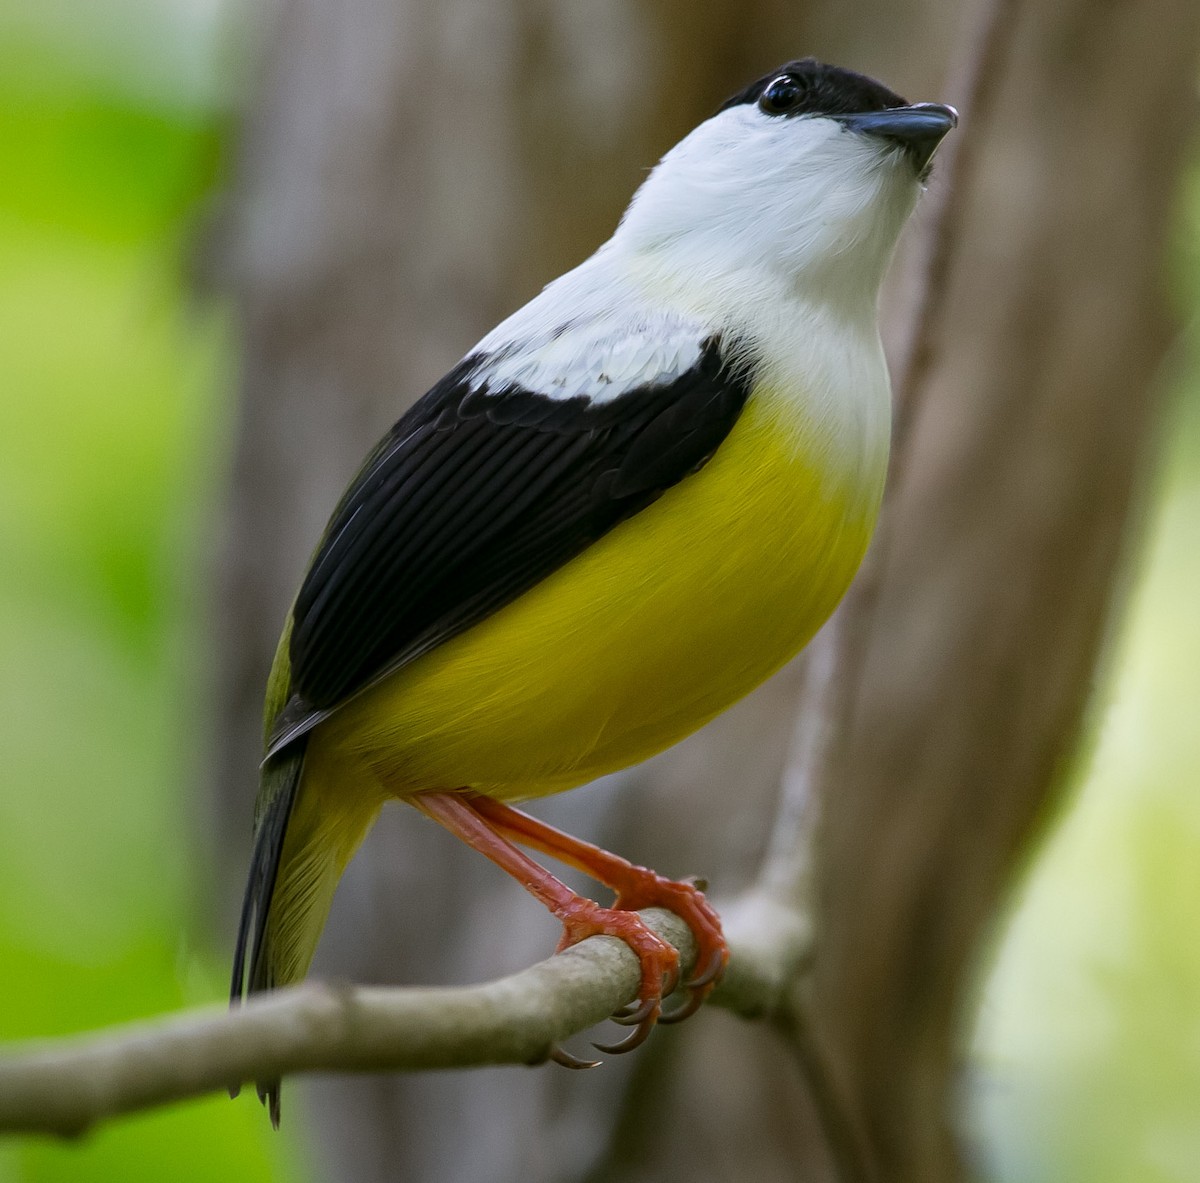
x: 280, y: 784
x: 306, y: 829
x: 281, y: 780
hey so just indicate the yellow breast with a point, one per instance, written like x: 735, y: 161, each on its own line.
x: 666, y: 621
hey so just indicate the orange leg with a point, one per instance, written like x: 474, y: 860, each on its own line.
x: 636, y: 887
x: 580, y: 917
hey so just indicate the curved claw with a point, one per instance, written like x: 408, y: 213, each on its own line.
x: 709, y: 974
x: 698, y: 989
x: 631, y: 1016
x: 636, y: 1037
x: 689, y: 1008
x: 560, y: 1055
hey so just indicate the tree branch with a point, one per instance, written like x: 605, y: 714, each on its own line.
x: 65, y: 1086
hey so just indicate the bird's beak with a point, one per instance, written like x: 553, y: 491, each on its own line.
x: 918, y: 129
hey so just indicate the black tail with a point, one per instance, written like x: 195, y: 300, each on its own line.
x: 280, y: 780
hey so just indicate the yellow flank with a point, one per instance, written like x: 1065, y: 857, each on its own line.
x: 637, y: 642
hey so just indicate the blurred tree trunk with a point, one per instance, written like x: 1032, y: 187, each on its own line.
x: 1009, y: 515
x: 413, y: 169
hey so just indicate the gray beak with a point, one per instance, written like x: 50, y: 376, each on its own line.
x: 918, y: 129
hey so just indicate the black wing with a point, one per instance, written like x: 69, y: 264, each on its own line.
x: 471, y: 499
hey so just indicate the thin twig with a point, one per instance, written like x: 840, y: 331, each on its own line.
x: 976, y: 85
x: 65, y: 1086
x: 834, y: 660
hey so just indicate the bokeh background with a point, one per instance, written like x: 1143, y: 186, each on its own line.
x: 118, y: 365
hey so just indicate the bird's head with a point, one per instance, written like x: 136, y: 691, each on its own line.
x: 806, y: 176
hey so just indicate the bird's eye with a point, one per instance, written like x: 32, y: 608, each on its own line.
x: 781, y: 96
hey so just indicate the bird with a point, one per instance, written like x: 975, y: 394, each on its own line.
x: 629, y: 504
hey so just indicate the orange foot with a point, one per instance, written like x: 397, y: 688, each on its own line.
x: 583, y: 918
x: 492, y: 828
x: 636, y: 888
x: 643, y: 888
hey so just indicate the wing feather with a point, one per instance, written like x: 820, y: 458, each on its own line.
x: 474, y: 496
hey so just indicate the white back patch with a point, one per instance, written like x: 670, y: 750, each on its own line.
x: 591, y: 334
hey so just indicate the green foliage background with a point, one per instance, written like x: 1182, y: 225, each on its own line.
x: 114, y: 398
x: 1088, y: 1040
x: 114, y: 408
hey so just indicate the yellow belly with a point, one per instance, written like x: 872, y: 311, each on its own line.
x: 637, y: 642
